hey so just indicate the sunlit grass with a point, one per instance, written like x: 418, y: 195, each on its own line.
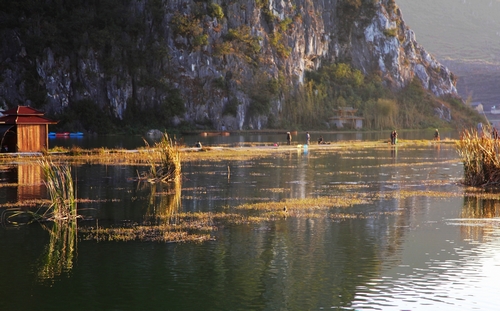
x: 59, y: 184
x: 164, y: 161
x: 479, y: 154
x: 247, y: 151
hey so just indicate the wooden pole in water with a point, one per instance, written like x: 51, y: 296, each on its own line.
x: 228, y: 173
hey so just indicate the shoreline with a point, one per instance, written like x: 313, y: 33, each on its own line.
x: 237, y: 151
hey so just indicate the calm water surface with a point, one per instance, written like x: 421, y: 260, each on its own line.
x: 407, y: 249
x: 133, y: 142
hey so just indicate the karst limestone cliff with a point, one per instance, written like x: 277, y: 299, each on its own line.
x: 208, y: 56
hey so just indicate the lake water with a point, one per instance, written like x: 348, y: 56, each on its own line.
x: 409, y: 247
x: 136, y: 141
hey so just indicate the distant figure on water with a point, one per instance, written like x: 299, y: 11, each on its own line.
x: 288, y: 138
x: 436, y: 135
x: 320, y: 140
x: 394, y: 137
x: 308, y: 138
x: 198, y: 144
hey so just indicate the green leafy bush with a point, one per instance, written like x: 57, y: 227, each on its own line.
x: 186, y: 25
x: 200, y: 40
x: 216, y: 11
x: 390, y: 32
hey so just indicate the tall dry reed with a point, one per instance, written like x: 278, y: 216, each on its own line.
x: 59, y: 183
x: 164, y: 161
x: 479, y: 153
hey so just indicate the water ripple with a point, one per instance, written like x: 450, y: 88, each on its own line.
x: 464, y: 282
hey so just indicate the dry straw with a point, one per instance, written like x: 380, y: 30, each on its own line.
x: 164, y: 161
x: 60, y: 187
x: 479, y: 153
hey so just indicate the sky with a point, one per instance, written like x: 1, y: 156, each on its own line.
x: 456, y: 29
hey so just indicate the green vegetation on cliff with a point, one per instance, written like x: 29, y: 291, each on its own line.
x: 340, y: 85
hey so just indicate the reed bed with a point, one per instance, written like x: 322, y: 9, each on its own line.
x: 200, y: 226
x: 247, y: 151
x: 175, y: 226
x: 479, y: 154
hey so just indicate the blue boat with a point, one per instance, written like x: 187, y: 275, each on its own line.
x: 77, y: 134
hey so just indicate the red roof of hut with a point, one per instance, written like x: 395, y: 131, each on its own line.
x: 24, y: 115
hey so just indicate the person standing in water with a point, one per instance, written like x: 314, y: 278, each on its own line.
x: 436, y: 135
x: 394, y: 137
x: 288, y: 138
x: 308, y: 138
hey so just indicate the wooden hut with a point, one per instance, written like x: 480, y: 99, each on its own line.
x: 24, y: 129
x: 346, y: 116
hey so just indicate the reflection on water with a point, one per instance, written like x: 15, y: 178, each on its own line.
x: 433, y: 269
x: 164, y: 202
x: 21, y: 183
x: 480, y: 218
x: 418, y: 243
x: 60, y: 253
x: 30, y: 180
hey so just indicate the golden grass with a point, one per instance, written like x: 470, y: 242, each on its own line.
x: 479, y: 154
x: 248, y: 151
x: 59, y: 184
x: 164, y: 161
x: 201, y: 226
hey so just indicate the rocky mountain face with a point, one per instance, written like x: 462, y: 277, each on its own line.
x: 199, y: 62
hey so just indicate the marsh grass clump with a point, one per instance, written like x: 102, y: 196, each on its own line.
x: 75, y: 151
x: 59, y: 183
x: 164, y: 161
x: 479, y: 154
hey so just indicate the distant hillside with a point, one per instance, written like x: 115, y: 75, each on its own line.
x: 465, y: 36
